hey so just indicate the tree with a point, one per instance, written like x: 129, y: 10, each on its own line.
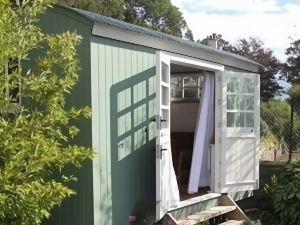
x: 291, y: 68
x: 254, y: 49
x: 111, y: 8
x: 35, y: 136
x: 159, y: 15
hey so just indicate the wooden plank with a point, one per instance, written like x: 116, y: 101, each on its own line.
x: 237, y: 214
x: 206, y: 215
x: 233, y: 222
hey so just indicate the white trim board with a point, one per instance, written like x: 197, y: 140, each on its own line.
x: 194, y: 63
x: 206, y: 54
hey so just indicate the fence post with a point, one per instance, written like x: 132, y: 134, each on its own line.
x: 291, y: 129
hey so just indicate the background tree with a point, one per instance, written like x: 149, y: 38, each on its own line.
x: 111, y: 8
x: 291, y: 68
x: 159, y: 15
x: 34, y: 137
x: 254, y: 49
x: 291, y: 73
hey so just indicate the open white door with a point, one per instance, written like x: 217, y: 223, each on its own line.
x: 239, y: 125
x: 167, y: 194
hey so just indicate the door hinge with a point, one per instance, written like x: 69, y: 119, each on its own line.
x: 220, y: 162
x: 219, y: 78
x: 219, y: 124
x: 219, y: 184
x: 158, y: 119
x: 159, y: 150
x: 219, y: 101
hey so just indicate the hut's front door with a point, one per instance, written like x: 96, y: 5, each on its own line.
x: 239, y: 141
x: 166, y: 184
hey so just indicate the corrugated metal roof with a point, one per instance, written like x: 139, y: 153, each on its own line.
x: 146, y: 31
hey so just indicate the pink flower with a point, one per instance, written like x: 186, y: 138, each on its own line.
x: 131, y: 219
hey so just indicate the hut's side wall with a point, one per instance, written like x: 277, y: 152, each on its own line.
x: 77, y: 210
x: 123, y: 97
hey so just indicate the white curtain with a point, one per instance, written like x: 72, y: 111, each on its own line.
x: 199, y: 176
x: 170, y: 191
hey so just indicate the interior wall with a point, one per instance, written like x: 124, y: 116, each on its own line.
x: 184, y: 116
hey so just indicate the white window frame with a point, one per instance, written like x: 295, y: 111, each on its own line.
x: 199, y: 86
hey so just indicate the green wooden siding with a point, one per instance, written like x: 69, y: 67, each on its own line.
x: 123, y: 136
x: 77, y: 210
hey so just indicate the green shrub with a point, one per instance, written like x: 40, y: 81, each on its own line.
x: 284, y: 190
x: 36, y: 136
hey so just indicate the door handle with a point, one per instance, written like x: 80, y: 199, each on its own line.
x: 163, y: 149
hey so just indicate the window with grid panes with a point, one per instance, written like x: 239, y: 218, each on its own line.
x: 240, y: 102
x: 186, y: 86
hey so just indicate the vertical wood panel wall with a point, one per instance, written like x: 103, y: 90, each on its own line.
x: 123, y: 96
x: 78, y: 209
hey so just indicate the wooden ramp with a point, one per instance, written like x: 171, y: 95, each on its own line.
x: 228, y: 213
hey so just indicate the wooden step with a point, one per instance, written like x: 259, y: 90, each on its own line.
x: 205, y: 215
x: 233, y: 222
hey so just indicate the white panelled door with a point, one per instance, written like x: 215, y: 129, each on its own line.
x: 163, y: 139
x: 240, y: 132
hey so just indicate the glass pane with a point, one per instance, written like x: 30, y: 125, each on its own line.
x: 176, y: 87
x: 164, y: 73
x: 249, y: 119
x: 248, y: 102
x: 234, y: 102
x: 164, y: 95
x: 240, y: 102
x: 190, y: 82
x: 230, y: 119
x: 190, y: 93
x: 165, y: 118
x: 235, y: 119
x: 246, y: 85
x: 232, y: 84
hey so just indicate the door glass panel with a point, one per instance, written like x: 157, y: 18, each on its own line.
x: 234, y: 102
x: 240, y: 119
x: 164, y: 118
x: 230, y: 119
x: 235, y: 119
x: 164, y: 95
x: 248, y: 102
x: 246, y: 85
x: 249, y: 119
x: 232, y: 84
x: 164, y: 72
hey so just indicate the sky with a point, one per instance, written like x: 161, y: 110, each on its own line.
x: 275, y: 22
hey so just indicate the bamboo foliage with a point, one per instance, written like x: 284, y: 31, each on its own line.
x: 35, y: 137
